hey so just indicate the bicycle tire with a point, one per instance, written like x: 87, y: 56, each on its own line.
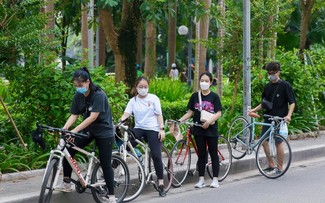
x: 261, y: 160
x: 137, y: 176
x: 181, y: 158
x: 225, y: 159
x: 238, y: 140
x: 168, y: 169
x: 48, y: 181
x: 120, y: 182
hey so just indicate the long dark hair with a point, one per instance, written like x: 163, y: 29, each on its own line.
x: 82, y: 75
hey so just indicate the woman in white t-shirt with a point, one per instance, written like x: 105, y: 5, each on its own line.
x: 174, y: 72
x: 149, y: 123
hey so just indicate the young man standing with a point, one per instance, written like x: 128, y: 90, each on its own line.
x: 280, y: 93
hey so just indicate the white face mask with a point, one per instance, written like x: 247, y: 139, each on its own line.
x: 143, y: 91
x: 204, y: 85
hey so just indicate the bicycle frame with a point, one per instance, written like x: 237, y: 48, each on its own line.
x: 60, y: 153
x: 127, y: 143
x: 253, y: 144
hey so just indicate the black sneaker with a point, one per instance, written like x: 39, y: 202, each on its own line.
x: 268, y: 169
x: 162, y: 192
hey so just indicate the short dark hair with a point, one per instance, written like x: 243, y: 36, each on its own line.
x: 272, y: 66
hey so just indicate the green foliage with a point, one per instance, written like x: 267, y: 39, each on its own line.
x: 116, y: 92
x: 3, y: 88
x: 169, y: 90
x: 23, y: 33
x: 14, y: 158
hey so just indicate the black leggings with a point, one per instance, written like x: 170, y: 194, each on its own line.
x: 201, y: 143
x: 105, y: 156
x: 151, y: 137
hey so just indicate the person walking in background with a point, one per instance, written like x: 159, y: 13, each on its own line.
x: 149, y: 124
x: 280, y: 93
x: 139, y: 72
x: 207, y: 135
x: 91, y: 102
x: 174, y: 72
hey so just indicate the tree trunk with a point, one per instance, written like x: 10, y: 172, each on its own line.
x: 234, y: 96
x: 204, y: 33
x: 261, y: 45
x: 102, y: 47
x: 197, y: 57
x: 111, y: 37
x: 150, y: 50
x: 139, y: 51
x: 84, y: 32
x: 172, y: 19
x: 221, y: 34
x: 307, y: 6
x: 50, y: 11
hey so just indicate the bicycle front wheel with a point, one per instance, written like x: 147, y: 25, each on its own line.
x: 168, y: 169
x: 239, y: 137
x: 48, y: 181
x: 181, y: 158
x: 275, y: 151
x: 137, y: 176
x: 225, y: 159
x: 121, y: 180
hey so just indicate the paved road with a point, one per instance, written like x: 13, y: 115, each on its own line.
x: 304, y: 182
x: 24, y: 187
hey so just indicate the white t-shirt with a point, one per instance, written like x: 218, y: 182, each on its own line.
x: 174, y: 74
x: 145, y: 111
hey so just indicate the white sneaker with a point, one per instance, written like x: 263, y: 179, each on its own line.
x: 120, y: 170
x: 64, y: 187
x: 214, y: 183
x: 108, y: 199
x: 200, y: 184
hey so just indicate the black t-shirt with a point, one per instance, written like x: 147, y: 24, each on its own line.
x: 211, y: 103
x: 283, y: 97
x: 96, y: 101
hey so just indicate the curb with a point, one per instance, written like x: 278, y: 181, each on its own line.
x: 21, y: 175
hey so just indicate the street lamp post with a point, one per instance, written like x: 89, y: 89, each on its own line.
x: 183, y: 30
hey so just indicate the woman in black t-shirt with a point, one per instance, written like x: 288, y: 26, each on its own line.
x: 91, y: 102
x: 207, y: 135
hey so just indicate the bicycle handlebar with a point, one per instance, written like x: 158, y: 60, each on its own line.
x: 170, y: 121
x: 273, y: 118
x: 61, y: 130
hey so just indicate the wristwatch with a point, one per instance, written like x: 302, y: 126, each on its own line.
x: 163, y: 128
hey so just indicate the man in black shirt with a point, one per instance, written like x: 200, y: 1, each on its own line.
x: 280, y: 93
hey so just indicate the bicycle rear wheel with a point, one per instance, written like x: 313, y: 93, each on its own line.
x: 281, y: 160
x: 168, y: 169
x: 121, y: 180
x: 225, y: 159
x: 48, y: 181
x: 181, y: 158
x: 137, y: 176
x: 238, y: 137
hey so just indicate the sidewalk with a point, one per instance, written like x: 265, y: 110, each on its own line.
x: 25, y: 186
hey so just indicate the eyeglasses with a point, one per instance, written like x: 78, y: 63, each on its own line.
x: 272, y: 72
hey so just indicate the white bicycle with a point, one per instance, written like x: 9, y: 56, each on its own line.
x: 93, y: 178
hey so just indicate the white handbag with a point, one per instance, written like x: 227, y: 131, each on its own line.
x: 205, y: 115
